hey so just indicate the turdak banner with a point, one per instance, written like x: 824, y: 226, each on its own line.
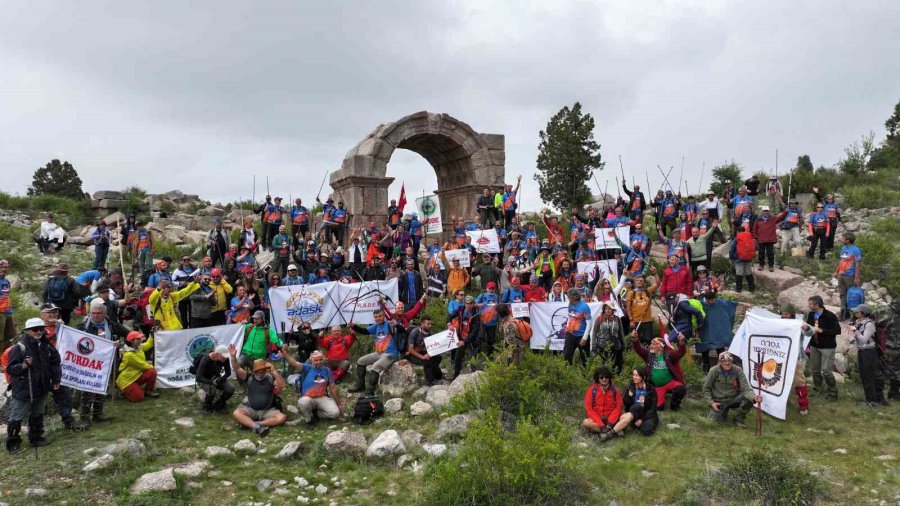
x: 769, y: 348
x: 605, y: 238
x: 458, y: 254
x: 485, y: 241
x: 86, y: 360
x: 548, y: 323
x: 442, y: 342
x: 177, y: 349
x: 429, y: 208
x: 327, y: 304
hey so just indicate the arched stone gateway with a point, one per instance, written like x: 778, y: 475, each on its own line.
x: 464, y: 160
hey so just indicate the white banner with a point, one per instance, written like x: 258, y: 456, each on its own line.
x: 86, y: 360
x: 605, y: 238
x: 442, y: 342
x: 520, y: 310
x: 609, y: 269
x: 485, y: 241
x: 548, y: 319
x: 768, y: 349
x: 429, y: 208
x: 458, y: 254
x: 176, y: 349
x: 329, y: 303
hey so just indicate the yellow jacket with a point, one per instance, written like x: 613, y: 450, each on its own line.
x: 222, y: 299
x: 133, y: 364
x: 166, y: 310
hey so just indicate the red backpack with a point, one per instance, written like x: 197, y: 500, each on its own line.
x: 746, y: 248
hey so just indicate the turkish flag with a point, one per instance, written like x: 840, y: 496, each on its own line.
x: 402, y: 202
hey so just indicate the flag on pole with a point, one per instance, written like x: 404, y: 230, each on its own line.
x: 402, y: 202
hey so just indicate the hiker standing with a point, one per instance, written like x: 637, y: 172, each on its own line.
x: 101, y: 238
x: 62, y: 290
x: 825, y: 327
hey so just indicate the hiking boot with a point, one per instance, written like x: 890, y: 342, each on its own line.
x: 310, y: 424
x: 153, y: 394
x: 206, y: 410
x: 14, y: 445
x: 740, y: 422
x: 760, y: 268
x: 804, y: 412
x: 38, y: 442
x: 76, y: 426
x: 771, y: 269
x: 261, y: 431
x: 101, y: 417
x: 360, y: 384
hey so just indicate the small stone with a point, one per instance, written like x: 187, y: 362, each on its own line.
x: 420, y: 408
x: 98, y: 463
x: 293, y: 409
x: 160, y: 481
x: 226, y: 483
x: 387, y: 443
x: 438, y: 396
x: 454, y: 425
x: 435, y: 450
x: 35, y: 492
x: 885, y: 457
x: 648, y: 474
x: 185, y: 422
x: 191, y: 469
x: 841, y: 451
x: 673, y: 426
x: 347, y: 442
x: 393, y: 405
x: 302, y: 499
x: 321, y: 490
x: 288, y: 450
x: 300, y: 481
x: 421, y: 392
x: 125, y: 446
x: 90, y: 451
x: 263, y: 485
x: 281, y: 491
x: 215, y: 451
x: 244, y: 446
x: 144, y: 434
x: 404, y: 459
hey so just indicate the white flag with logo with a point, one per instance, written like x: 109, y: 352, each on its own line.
x: 86, y: 360
x: 327, y: 304
x: 609, y: 269
x: 458, y: 254
x: 429, y: 208
x: 769, y: 348
x: 549, y: 321
x: 485, y: 241
x: 442, y: 342
x: 605, y: 238
x: 177, y: 349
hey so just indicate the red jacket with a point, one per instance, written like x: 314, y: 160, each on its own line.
x: 537, y: 294
x: 672, y: 358
x: 337, y: 348
x: 603, y: 407
x: 676, y: 282
x: 766, y: 232
x: 407, y: 315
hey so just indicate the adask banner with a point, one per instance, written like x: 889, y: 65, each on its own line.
x: 86, y: 360
x: 176, y: 350
x: 605, y: 238
x: 485, y: 241
x: 429, y: 208
x: 327, y: 304
x: 769, y: 349
x: 548, y: 319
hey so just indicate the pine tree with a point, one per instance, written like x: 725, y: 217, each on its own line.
x: 56, y: 178
x: 568, y: 155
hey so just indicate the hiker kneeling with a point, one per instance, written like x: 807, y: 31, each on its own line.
x: 137, y: 378
x: 602, y: 403
x: 263, y: 384
x: 211, y: 373
x: 726, y: 388
x: 314, y: 381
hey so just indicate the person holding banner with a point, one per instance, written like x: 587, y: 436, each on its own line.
x: 263, y: 382
x: 384, y: 356
x: 726, y: 388
x: 134, y: 370
x: 508, y: 333
x: 465, y: 321
x: 34, y: 368
x: 417, y: 352
x: 91, y: 408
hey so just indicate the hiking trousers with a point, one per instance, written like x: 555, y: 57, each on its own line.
x: 870, y: 374
x: 377, y: 362
x: 821, y: 363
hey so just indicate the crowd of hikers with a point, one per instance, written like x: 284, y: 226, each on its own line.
x: 537, y: 263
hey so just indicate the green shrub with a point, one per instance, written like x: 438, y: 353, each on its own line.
x: 870, y: 196
x: 530, y: 464
x: 881, y: 261
x: 761, y: 477
x: 68, y: 212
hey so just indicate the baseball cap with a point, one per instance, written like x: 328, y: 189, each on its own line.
x: 470, y: 299
x: 49, y: 306
x: 215, y: 273
x: 491, y: 284
x: 260, y: 315
x: 862, y: 308
x: 292, y: 267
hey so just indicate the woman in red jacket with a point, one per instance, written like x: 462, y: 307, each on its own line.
x: 676, y: 279
x: 765, y: 231
x: 337, y: 351
x: 602, y: 403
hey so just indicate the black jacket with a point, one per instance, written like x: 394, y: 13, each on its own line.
x: 116, y: 329
x: 830, y: 326
x: 73, y: 292
x: 44, y: 370
x: 209, y: 371
x: 649, y: 402
x: 403, y: 288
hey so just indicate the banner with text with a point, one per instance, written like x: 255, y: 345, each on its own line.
x: 429, y: 208
x: 176, y: 350
x: 86, y: 360
x: 442, y: 342
x: 485, y: 241
x: 328, y: 304
x: 769, y: 349
x: 605, y: 238
x: 458, y: 254
x: 549, y: 320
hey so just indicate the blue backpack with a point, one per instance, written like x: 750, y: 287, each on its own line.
x: 57, y: 289
x: 855, y: 297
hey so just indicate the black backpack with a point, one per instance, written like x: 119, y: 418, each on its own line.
x: 195, y: 366
x: 367, y: 409
x: 145, y: 276
x: 57, y: 289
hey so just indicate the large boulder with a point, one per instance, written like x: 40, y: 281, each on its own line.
x: 124, y: 446
x: 462, y: 382
x: 438, y: 396
x: 160, y: 481
x: 387, y: 443
x: 778, y: 280
x: 108, y: 194
x: 116, y: 217
x: 799, y: 294
x: 454, y: 425
x: 346, y: 442
x: 399, y: 379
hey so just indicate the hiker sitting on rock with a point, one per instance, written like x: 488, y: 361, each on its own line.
x: 337, y: 350
x: 385, y: 354
x: 263, y: 384
x: 314, y: 381
x: 726, y: 388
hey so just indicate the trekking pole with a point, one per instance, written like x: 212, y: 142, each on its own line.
x: 700, y: 186
x: 681, y: 174
x: 268, y: 192
x: 621, y: 168
x: 759, y: 360
x: 618, y: 189
x: 322, y: 185
x: 31, y: 400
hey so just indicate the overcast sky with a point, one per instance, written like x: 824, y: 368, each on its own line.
x: 165, y: 96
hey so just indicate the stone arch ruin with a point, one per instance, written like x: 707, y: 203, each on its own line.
x: 464, y: 160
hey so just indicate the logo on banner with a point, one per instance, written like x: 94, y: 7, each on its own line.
x: 482, y: 241
x: 204, y: 343
x: 768, y: 362
x: 428, y: 206
x: 367, y: 300
x: 304, y: 307
x: 85, y: 346
x: 558, y: 322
